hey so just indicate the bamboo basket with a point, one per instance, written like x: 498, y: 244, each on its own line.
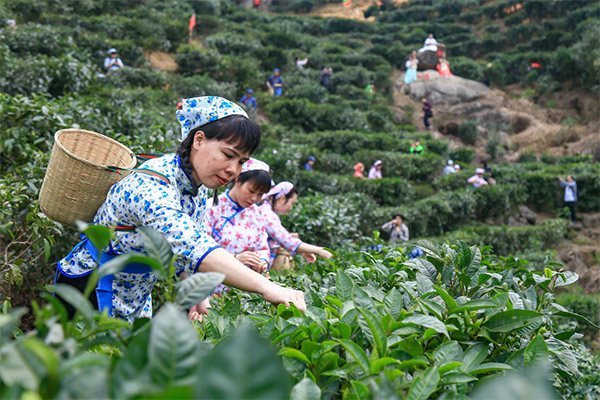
x: 77, y: 179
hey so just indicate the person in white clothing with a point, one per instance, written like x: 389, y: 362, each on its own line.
x: 477, y: 179
x: 570, y: 198
x: 449, y: 168
x: 430, y: 44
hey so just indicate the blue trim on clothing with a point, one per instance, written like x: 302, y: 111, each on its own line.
x: 204, y: 255
x: 296, y: 249
x: 228, y: 219
x: 76, y: 248
x: 104, y: 292
x: 192, y: 181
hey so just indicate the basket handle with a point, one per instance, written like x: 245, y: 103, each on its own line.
x: 141, y: 170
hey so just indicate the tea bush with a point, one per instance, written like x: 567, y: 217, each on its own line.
x: 375, y: 324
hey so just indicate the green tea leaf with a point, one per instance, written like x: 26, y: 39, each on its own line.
x: 428, y: 322
x: 99, y: 235
x: 449, y: 300
x: 343, y: 286
x: 536, y: 353
x: 378, y: 365
x: 156, y: 245
x: 306, y: 389
x: 118, y: 263
x: 373, y: 329
x: 488, y: 367
x: 392, y: 303
x: 474, y: 305
x: 74, y: 297
x: 358, y: 354
x: 362, y: 299
x: 449, y: 351
x: 423, y: 386
x: 456, y: 378
x: 244, y: 366
x: 196, y: 288
x: 474, y: 356
x: 509, y: 320
x: 172, y: 347
x: 293, y: 353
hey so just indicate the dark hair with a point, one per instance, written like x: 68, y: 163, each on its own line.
x: 287, y: 196
x: 484, y: 163
x: 258, y: 178
x: 237, y: 130
x: 398, y: 215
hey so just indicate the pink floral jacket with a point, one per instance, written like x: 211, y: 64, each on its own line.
x: 278, y: 235
x: 237, y: 229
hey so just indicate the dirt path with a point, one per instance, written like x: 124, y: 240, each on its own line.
x: 161, y: 60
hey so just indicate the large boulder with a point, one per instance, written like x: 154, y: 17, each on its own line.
x: 427, y: 60
x: 447, y: 91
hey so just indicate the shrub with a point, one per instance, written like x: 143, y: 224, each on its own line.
x: 463, y: 155
x: 466, y: 68
x: 467, y: 131
x: 507, y: 240
x: 587, y: 305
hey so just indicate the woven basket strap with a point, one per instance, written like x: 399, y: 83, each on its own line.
x: 140, y: 170
x: 147, y: 156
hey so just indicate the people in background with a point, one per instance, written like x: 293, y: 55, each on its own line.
x: 359, y: 170
x: 217, y: 137
x: 249, y: 102
x: 301, y: 62
x: 236, y: 223
x: 488, y: 174
x: 310, y: 162
x: 325, y: 76
x: 279, y: 201
x: 375, y: 171
x: 570, y: 197
x: 443, y: 68
x: 416, y: 148
x: 112, y: 62
x: 427, y: 112
x: 396, y: 228
x: 12, y: 24
x: 370, y: 91
x: 430, y: 44
x: 449, y: 168
x: 411, y: 69
x: 275, y: 83
x: 457, y: 167
x: 477, y: 179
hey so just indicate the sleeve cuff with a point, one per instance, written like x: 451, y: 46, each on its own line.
x: 204, y: 256
x: 295, y: 250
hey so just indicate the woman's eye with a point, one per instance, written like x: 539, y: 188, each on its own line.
x: 229, y: 156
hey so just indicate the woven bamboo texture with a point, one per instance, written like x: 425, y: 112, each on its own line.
x: 77, y: 179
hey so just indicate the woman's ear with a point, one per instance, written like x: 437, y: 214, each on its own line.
x: 199, y: 137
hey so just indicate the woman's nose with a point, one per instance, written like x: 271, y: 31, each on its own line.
x: 233, y: 168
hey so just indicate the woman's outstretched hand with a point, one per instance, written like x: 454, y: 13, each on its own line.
x: 198, y: 311
x: 310, y: 257
x: 250, y: 258
x: 325, y: 254
x: 280, y: 295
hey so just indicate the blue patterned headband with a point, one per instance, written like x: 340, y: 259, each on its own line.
x: 199, y: 111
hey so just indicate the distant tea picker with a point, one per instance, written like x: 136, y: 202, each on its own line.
x: 169, y: 194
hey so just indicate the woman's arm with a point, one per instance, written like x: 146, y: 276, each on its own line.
x: 240, y: 277
x: 311, y: 248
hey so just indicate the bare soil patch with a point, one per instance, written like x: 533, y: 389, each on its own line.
x: 161, y: 60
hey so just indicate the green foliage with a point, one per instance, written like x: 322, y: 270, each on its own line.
x: 376, y: 323
x: 467, y: 131
x: 587, y: 305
